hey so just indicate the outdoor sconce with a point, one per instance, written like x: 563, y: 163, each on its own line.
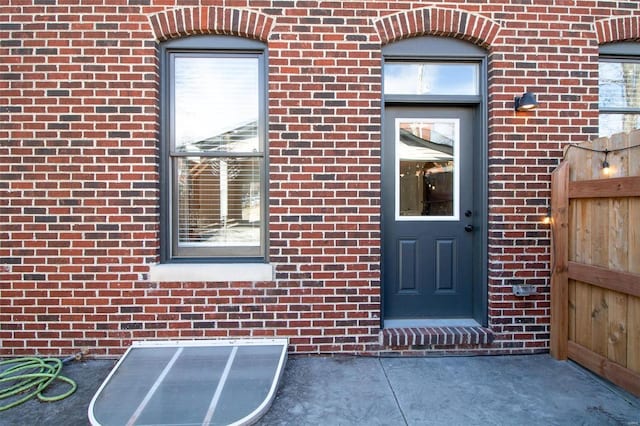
x: 527, y: 102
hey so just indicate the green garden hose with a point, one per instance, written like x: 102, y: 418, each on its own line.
x: 30, y: 376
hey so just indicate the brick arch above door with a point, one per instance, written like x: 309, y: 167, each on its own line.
x: 188, y: 21
x: 454, y: 23
x: 623, y: 28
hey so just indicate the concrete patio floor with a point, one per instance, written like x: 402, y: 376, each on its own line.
x: 496, y: 390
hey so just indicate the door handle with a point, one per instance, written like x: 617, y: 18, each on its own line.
x: 468, y: 228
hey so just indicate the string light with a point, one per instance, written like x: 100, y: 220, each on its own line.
x: 605, y: 163
x: 604, y: 151
x: 606, y: 167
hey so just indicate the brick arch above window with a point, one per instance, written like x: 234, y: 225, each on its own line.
x: 187, y: 21
x: 439, y: 22
x: 621, y: 28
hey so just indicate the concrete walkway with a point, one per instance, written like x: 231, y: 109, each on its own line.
x: 505, y: 390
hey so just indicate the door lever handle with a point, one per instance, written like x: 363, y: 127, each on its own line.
x: 468, y: 228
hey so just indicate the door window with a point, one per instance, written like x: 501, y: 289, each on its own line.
x: 427, y: 168
x: 431, y: 78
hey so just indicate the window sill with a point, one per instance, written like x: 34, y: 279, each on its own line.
x: 203, y: 272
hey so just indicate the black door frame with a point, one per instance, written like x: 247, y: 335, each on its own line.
x: 443, y: 49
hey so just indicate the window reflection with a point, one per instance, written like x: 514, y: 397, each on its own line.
x: 426, y: 188
x: 219, y: 201
x: 619, y: 84
x: 430, y: 78
x: 619, y: 96
x: 610, y: 124
x: 426, y: 167
x: 216, y: 101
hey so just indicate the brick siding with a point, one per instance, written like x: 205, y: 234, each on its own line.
x: 79, y: 178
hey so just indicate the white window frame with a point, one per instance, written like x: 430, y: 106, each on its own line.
x: 456, y: 171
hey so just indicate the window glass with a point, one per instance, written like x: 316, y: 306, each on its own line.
x: 431, y: 78
x: 427, y: 152
x: 216, y: 101
x: 619, y: 94
x: 219, y: 201
x: 619, y: 84
x: 610, y: 124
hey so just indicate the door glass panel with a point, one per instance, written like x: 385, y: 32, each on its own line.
x: 430, y: 78
x: 427, y: 168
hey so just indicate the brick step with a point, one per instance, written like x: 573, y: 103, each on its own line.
x: 441, y: 336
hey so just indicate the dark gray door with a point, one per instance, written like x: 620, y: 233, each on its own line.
x: 428, y: 212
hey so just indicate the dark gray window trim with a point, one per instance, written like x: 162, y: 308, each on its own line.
x: 436, y: 49
x: 622, y: 49
x: 208, y: 44
x: 443, y: 49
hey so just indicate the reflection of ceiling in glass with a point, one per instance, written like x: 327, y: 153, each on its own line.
x: 412, y: 78
x: 242, y: 138
x: 414, y: 147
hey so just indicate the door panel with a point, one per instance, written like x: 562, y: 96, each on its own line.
x: 428, y: 212
x: 445, y: 265
x: 407, y: 266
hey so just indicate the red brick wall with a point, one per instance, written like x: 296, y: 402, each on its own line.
x: 79, y: 146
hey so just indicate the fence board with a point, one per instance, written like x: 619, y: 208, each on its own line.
x: 559, y: 290
x: 633, y: 310
x: 617, y: 327
x: 633, y: 334
x: 617, y: 303
x: 605, y: 188
x: 583, y: 319
x: 623, y: 282
x: 619, y: 375
x: 582, y: 311
x: 599, y: 310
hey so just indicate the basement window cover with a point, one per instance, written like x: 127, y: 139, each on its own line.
x: 191, y: 383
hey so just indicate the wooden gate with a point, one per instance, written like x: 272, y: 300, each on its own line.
x: 595, y: 282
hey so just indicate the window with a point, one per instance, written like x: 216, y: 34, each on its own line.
x: 619, y: 99
x: 431, y: 78
x: 427, y: 171
x: 213, y: 165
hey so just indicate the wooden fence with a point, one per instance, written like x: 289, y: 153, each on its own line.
x: 595, y: 282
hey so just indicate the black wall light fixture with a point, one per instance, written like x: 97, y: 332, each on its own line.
x: 527, y: 102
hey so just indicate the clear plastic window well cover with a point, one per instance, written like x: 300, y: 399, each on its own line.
x: 200, y: 382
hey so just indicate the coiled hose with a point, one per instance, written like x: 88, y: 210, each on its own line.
x: 31, y: 376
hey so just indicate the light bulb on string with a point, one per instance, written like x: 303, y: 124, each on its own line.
x: 606, y: 169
